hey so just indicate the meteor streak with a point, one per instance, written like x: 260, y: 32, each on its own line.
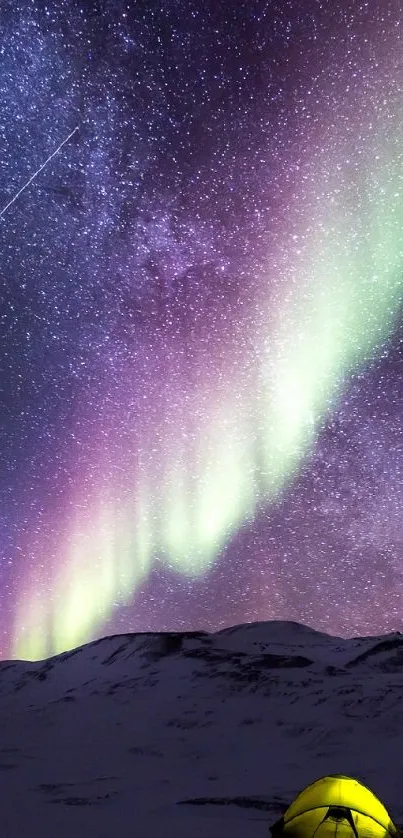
x: 37, y: 172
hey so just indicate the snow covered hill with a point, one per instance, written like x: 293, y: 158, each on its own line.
x: 195, y: 734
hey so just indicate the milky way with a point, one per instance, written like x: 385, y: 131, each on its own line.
x: 201, y: 301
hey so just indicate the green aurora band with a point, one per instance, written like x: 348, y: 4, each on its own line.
x: 337, y: 295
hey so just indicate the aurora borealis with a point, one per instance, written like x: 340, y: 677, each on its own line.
x: 201, y: 340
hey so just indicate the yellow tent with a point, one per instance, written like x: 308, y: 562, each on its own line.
x: 335, y: 805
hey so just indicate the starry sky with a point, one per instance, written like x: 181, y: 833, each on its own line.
x: 201, y: 339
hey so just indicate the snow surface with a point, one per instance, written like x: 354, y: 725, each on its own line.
x: 190, y: 734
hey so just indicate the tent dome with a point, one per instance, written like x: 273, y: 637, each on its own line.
x: 335, y: 804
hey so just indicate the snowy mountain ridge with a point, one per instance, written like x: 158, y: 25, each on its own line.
x: 191, y: 731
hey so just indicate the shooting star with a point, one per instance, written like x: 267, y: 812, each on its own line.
x: 37, y: 172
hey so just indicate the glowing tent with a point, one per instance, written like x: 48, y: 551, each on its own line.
x: 335, y: 805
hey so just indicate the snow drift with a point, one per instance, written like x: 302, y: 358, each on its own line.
x: 189, y: 733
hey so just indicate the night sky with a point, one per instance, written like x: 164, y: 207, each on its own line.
x: 201, y: 336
